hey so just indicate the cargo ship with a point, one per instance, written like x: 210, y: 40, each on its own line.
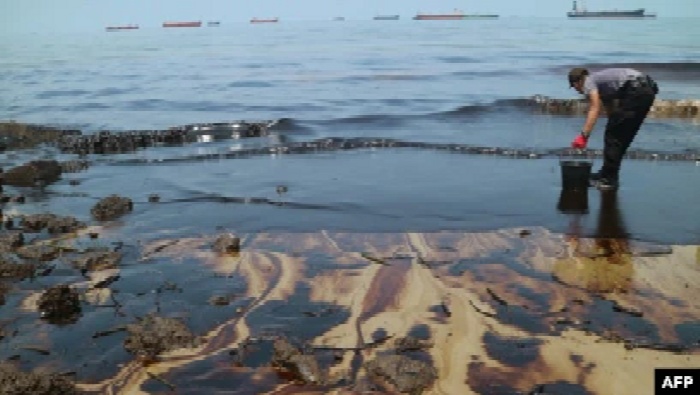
x: 386, y: 18
x: 577, y: 12
x: 453, y: 16
x: 264, y: 20
x: 120, y: 28
x: 182, y: 24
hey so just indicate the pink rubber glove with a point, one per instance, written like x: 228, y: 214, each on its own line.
x: 579, y: 142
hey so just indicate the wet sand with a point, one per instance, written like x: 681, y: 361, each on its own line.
x: 146, y: 296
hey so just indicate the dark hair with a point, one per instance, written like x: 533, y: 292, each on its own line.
x: 576, y: 74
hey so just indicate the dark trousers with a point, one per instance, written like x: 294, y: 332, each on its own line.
x: 626, y: 116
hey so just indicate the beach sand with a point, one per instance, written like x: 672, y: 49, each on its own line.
x: 500, y: 312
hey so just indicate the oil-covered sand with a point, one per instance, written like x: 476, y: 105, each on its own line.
x: 497, y: 312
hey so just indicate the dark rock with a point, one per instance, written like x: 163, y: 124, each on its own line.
x: 220, y: 300
x: 9, y: 268
x: 154, y: 198
x: 16, y: 382
x: 38, y: 172
x: 74, y: 182
x: 109, y: 142
x: 660, y: 108
x: 153, y: 335
x: 406, y: 374
x: 227, y: 244
x: 4, y: 290
x: 303, y: 367
x: 111, y: 207
x: 42, y: 252
x: 51, y: 222
x: 98, y: 260
x: 525, y: 232
x: 9, y: 241
x: 19, y: 136
x: 60, y: 304
x: 284, y: 350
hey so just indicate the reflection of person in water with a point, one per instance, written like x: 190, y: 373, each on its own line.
x: 611, y: 235
x: 602, y: 264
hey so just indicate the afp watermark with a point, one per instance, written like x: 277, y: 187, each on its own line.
x: 676, y: 381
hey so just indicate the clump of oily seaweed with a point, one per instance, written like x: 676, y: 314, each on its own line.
x: 14, y: 381
x: 405, y: 374
x: 111, y: 207
x: 14, y: 135
x: 303, y: 367
x: 153, y: 335
x: 60, y: 304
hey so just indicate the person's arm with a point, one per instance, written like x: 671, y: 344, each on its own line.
x: 593, y: 112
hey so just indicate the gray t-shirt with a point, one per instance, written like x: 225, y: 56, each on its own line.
x: 608, y: 81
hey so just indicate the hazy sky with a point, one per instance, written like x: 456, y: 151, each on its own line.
x: 51, y: 15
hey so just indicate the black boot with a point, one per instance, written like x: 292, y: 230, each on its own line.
x: 594, y: 178
x: 607, y: 184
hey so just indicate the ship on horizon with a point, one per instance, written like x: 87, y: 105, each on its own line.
x: 577, y: 12
x: 264, y: 20
x: 121, y: 27
x: 386, y: 18
x: 452, y: 16
x: 183, y: 24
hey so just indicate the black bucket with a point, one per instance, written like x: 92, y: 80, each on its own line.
x: 575, y: 174
x: 573, y: 201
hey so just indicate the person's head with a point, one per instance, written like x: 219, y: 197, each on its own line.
x: 577, y: 77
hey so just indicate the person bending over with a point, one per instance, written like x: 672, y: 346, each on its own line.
x: 627, y: 96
